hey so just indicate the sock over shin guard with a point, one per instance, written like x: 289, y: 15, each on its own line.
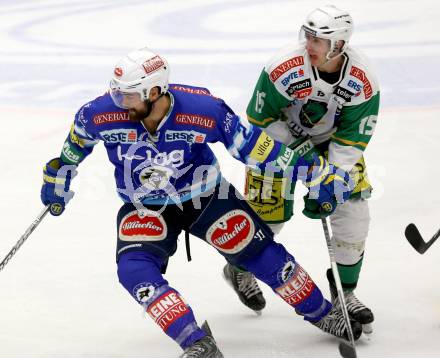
x: 139, y: 273
x: 278, y: 269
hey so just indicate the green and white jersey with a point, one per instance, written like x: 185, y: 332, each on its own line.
x: 350, y: 105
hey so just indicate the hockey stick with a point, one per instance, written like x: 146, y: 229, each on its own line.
x: 416, y: 240
x: 28, y: 232
x: 347, y: 349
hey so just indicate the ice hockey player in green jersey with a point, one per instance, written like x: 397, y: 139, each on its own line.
x: 319, y: 95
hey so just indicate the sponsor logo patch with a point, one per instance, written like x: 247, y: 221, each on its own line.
x: 343, y: 93
x: 119, y: 136
x: 300, y: 89
x: 284, y: 160
x: 118, y: 71
x: 167, y: 309
x: 111, y: 117
x: 292, y: 76
x: 186, y: 136
x: 195, y: 120
x: 70, y: 153
x: 286, y: 66
x: 198, y: 91
x: 232, y: 232
x: 359, y: 74
x: 297, y: 288
x: 356, y: 86
x: 147, y: 228
x: 262, y: 148
x: 153, y: 64
x: 74, y: 138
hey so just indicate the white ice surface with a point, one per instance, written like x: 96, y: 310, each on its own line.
x: 59, y: 296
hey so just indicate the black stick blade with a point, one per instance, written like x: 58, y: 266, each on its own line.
x: 413, y: 236
x: 347, y: 350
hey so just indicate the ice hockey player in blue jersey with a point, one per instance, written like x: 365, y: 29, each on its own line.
x: 156, y: 135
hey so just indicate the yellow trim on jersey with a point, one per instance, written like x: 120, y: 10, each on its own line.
x: 74, y: 138
x: 260, y: 123
x: 349, y: 142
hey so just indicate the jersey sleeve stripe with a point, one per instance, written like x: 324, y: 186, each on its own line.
x: 261, y: 123
x: 363, y: 145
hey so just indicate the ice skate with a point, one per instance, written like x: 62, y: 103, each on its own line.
x: 246, y: 287
x: 334, y: 324
x: 356, y: 309
x: 203, y: 348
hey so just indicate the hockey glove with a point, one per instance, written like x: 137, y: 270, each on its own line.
x: 56, y: 182
x: 328, y: 186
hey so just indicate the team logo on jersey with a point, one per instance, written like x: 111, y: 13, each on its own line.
x: 111, y: 117
x: 144, y: 292
x: 155, y: 177
x: 287, y: 271
x: 167, y: 308
x: 300, y: 89
x: 195, y: 120
x: 190, y: 137
x: 146, y: 228
x: 286, y: 66
x: 232, y: 232
x: 119, y: 136
x: 297, y: 288
x: 153, y: 64
x: 359, y: 74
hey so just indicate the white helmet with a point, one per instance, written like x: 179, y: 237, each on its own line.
x: 329, y: 22
x: 137, y: 73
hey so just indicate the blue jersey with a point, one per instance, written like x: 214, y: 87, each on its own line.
x: 176, y: 161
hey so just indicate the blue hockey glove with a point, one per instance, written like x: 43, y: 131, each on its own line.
x: 328, y: 186
x: 56, y: 182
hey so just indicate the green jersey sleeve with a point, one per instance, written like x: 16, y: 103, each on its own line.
x: 356, y: 123
x: 266, y: 102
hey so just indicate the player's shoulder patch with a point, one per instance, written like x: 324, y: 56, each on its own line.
x: 284, y: 60
x: 359, y: 78
x: 289, y: 71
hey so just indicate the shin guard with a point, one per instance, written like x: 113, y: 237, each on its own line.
x: 278, y: 269
x: 139, y: 273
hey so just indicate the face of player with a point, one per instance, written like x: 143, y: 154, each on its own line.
x: 317, y: 50
x: 127, y: 100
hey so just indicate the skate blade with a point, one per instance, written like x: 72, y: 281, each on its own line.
x: 367, y: 329
x: 258, y: 313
